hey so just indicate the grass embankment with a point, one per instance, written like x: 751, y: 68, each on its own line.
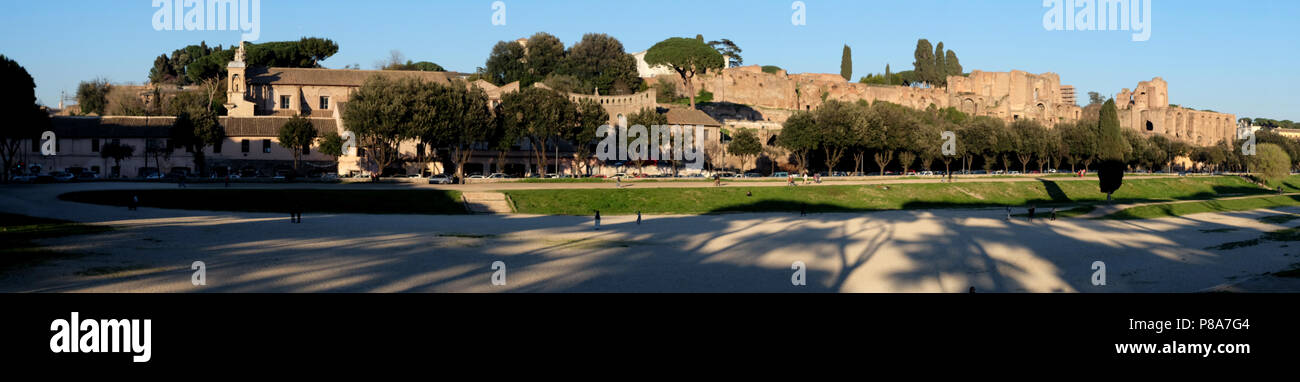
x: 1182, y: 209
x: 832, y: 198
x: 1290, y: 184
x: 18, y: 231
x: 433, y: 202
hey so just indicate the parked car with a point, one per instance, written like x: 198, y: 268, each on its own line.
x: 23, y: 178
x: 498, y: 176
x: 476, y: 176
x: 88, y: 175
x: 439, y: 179
x: 780, y: 174
x: 60, y: 176
x: 329, y: 176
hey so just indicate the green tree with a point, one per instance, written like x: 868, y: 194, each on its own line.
x: 1112, y: 149
x: 506, y: 63
x: 1033, y: 143
x: 846, y: 63
x: 1095, y: 98
x: 297, y: 134
x: 1270, y: 163
x: 940, y: 66
x: 92, y: 96
x: 800, y: 134
x: 924, y: 64
x: 545, y: 56
x: 331, y: 144
x: 195, y: 132
x: 952, y: 64
x: 685, y: 56
x: 728, y: 49
x: 24, y: 118
x: 646, y: 117
x: 745, y: 145
x: 540, y: 115
x: 839, y: 129
x: 602, y: 64
x: 591, y: 116
x: 455, y: 116
x: 382, y: 113
x: 117, y: 152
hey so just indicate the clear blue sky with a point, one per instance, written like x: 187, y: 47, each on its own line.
x: 1231, y: 56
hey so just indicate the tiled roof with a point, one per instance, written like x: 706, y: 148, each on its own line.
x: 680, y: 116
x: 333, y: 77
x: 112, y: 127
x: 160, y: 127
x: 269, y: 126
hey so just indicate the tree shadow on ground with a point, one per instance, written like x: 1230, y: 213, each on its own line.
x: 913, y: 250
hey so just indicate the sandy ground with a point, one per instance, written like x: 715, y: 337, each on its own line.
x: 899, y: 251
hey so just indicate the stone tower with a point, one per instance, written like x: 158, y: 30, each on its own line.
x: 237, y: 104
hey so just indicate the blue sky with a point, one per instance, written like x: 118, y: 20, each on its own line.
x: 1230, y: 56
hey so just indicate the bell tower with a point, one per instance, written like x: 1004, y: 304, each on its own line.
x: 237, y: 105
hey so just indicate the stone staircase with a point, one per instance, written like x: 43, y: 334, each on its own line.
x: 486, y: 203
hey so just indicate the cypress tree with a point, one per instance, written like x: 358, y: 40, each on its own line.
x: 846, y: 64
x: 1111, y: 149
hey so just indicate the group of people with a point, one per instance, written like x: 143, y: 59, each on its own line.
x: 790, y: 179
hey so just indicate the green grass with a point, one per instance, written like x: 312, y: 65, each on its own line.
x: 845, y: 198
x: 1182, y: 209
x: 1285, y: 235
x: 18, y: 231
x: 435, y: 202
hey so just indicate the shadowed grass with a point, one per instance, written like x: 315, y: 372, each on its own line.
x: 844, y: 198
x: 432, y: 202
x: 18, y: 231
x: 1182, y: 209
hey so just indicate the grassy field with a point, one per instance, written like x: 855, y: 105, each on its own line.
x: 832, y: 198
x: 433, y: 202
x: 18, y: 231
x: 1181, y: 209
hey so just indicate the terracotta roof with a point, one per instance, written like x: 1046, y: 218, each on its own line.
x: 160, y: 127
x: 679, y: 116
x: 270, y: 126
x: 333, y: 77
x: 112, y: 127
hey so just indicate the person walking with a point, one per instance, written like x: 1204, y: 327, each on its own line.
x: 134, y: 203
x: 618, y: 182
x: 1053, y: 218
x: 638, y: 218
x: 817, y: 178
x: 717, y: 180
x: 805, y: 178
x: 1008, y: 213
x: 597, y: 220
x: 1031, y: 213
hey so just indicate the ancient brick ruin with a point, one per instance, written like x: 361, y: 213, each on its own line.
x: 1009, y: 96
